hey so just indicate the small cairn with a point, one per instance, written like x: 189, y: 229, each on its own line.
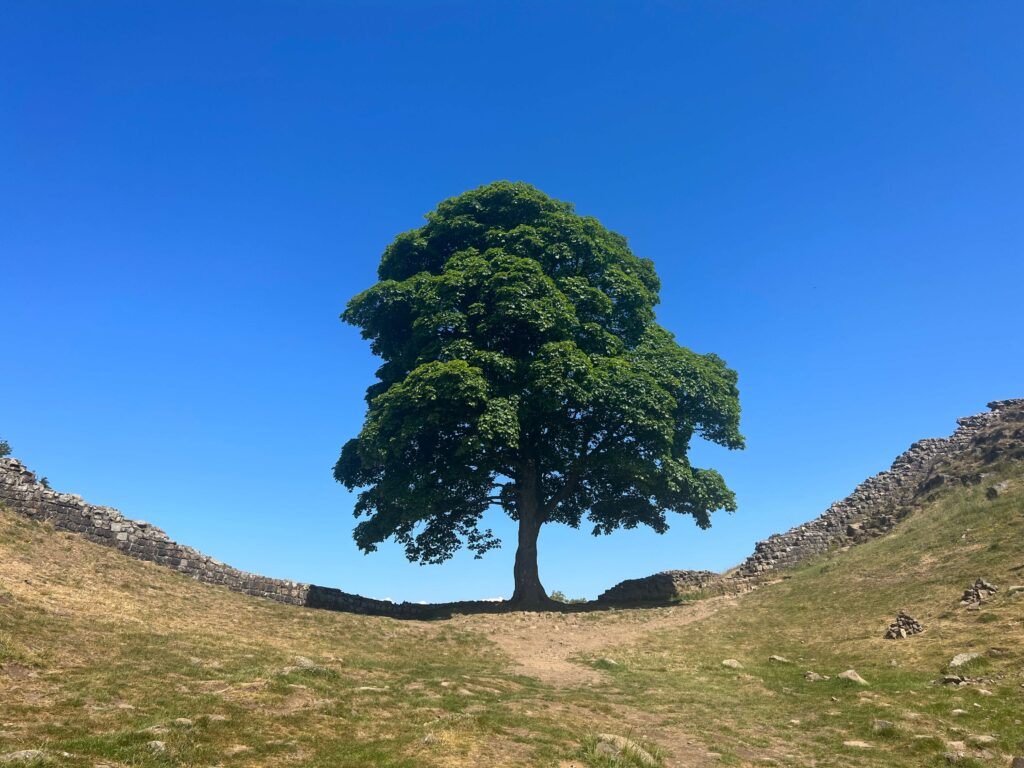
x: 981, y: 590
x: 904, y: 626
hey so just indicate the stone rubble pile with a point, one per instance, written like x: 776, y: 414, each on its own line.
x: 980, y: 591
x: 958, y: 680
x: 904, y: 626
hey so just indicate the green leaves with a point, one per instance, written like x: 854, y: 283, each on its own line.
x: 523, y: 364
x: 427, y: 450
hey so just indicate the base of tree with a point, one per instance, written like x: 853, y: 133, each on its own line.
x: 533, y: 602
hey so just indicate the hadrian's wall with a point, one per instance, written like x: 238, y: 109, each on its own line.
x: 22, y: 493
x: 874, y: 507
x: 661, y: 586
x: 878, y: 503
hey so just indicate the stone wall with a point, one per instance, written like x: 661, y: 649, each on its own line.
x: 881, y: 501
x: 661, y: 587
x: 874, y: 507
x: 22, y: 493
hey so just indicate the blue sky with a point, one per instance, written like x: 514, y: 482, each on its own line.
x: 832, y: 193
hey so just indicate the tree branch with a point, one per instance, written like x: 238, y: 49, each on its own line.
x: 572, y: 481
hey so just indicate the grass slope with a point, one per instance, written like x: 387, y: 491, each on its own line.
x: 101, y: 655
x: 830, y: 616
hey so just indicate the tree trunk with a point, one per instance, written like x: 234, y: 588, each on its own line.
x: 529, y: 592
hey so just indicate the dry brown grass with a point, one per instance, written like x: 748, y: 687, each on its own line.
x: 100, y: 655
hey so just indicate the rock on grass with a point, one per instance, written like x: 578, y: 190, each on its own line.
x: 610, y: 743
x: 852, y: 676
x: 963, y: 658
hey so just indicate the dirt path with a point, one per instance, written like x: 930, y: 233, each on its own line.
x: 543, y: 645
x: 546, y: 646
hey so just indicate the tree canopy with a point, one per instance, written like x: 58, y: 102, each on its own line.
x: 523, y: 366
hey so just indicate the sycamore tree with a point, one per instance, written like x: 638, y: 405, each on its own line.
x: 523, y: 368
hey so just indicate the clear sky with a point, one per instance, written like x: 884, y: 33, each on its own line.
x: 832, y: 193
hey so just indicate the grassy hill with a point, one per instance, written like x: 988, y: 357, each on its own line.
x: 108, y: 661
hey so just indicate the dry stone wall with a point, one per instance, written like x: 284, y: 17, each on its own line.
x: 21, y: 492
x: 881, y: 501
x: 874, y: 507
x: 660, y: 587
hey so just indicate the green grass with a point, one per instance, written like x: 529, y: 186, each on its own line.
x: 97, y: 648
x: 100, y: 655
x: 830, y: 616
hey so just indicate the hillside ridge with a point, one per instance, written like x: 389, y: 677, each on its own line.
x: 107, y: 660
x: 871, y: 510
x: 874, y: 507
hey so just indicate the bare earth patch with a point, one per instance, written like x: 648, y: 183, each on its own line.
x: 547, y: 646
